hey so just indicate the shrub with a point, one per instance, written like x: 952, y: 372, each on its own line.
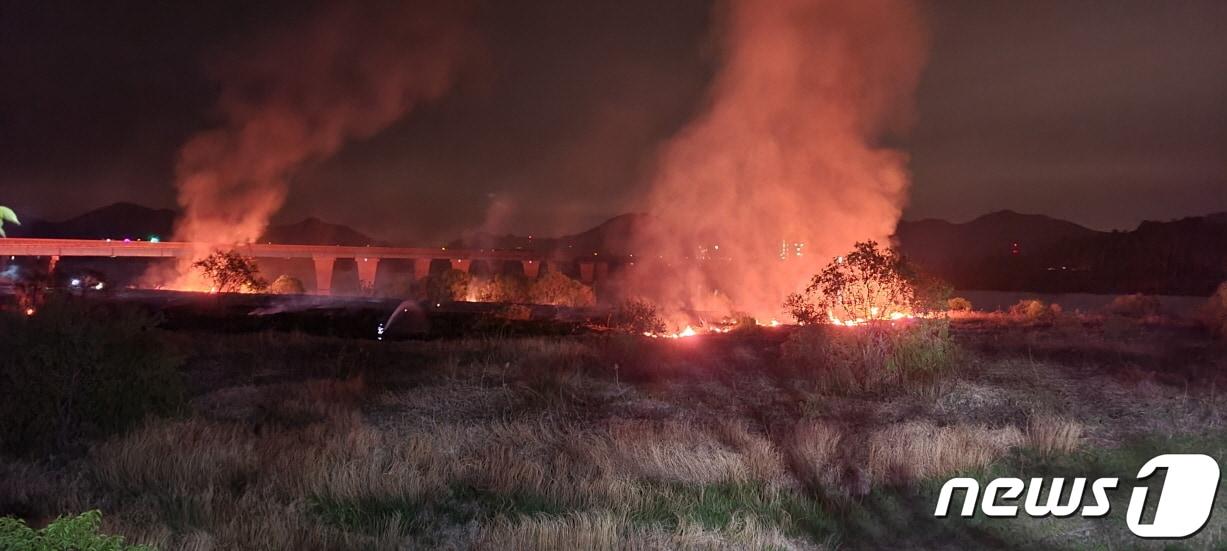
x: 79, y: 371
x: 869, y: 284
x: 871, y: 356
x: 447, y: 286
x: 500, y: 288
x: 286, y: 285
x: 1135, y: 306
x: 1214, y: 313
x: 231, y: 272
x: 932, y: 294
x: 1035, y: 310
x: 556, y: 289
x: 636, y: 316
x: 959, y: 304
x: 78, y: 533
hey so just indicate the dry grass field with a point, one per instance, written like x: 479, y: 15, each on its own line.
x: 770, y: 438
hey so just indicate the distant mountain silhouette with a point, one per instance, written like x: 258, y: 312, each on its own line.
x: 130, y: 221
x: 1003, y: 250
x: 1017, y: 252
x: 118, y: 221
x: 938, y: 240
x: 314, y: 231
x: 612, y: 238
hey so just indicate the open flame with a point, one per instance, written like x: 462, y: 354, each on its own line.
x: 690, y: 331
x: 851, y: 322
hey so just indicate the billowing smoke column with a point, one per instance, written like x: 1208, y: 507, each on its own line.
x: 299, y: 94
x: 786, y: 167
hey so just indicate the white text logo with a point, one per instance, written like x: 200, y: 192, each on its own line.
x: 1184, y: 502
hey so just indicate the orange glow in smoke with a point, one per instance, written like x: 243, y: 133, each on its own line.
x: 786, y: 164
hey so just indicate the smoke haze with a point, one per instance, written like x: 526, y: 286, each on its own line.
x: 297, y: 95
x: 789, y: 150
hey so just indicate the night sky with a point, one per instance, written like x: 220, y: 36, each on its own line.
x: 1104, y: 113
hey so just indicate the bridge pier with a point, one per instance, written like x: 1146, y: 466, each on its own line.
x: 323, y: 274
x: 592, y: 272
x: 367, y: 268
x: 531, y: 269
x: 421, y: 268
x: 48, y: 252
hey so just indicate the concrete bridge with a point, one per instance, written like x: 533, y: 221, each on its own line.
x: 323, y: 256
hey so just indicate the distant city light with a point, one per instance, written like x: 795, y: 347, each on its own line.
x: 790, y: 249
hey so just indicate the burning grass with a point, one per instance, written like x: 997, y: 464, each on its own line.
x: 732, y: 441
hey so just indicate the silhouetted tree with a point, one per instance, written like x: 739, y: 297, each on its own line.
x: 867, y: 284
x: 231, y: 272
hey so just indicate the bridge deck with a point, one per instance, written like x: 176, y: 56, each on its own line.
x: 145, y: 249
